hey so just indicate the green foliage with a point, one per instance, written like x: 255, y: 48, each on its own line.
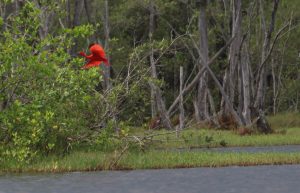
x: 106, y: 140
x: 46, y: 99
x: 47, y: 104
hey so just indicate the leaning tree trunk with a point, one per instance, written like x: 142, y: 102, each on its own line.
x: 156, y: 95
x: 262, y: 123
x: 190, y: 86
x: 261, y: 85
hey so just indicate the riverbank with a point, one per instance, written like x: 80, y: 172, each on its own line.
x: 166, y: 150
x: 94, y: 161
x: 193, y: 148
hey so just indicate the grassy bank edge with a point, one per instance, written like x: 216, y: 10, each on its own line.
x: 97, y: 161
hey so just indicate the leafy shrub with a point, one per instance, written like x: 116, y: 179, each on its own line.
x: 47, y: 104
x: 44, y: 100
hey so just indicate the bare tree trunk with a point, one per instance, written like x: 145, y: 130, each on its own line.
x: 234, y: 51
x: 226, y: 98
x: 76, y: 21
x: 202, y: 102
x: 213, y: 109
x: 153, y: 103
x: 46, y: 16
x: 107, y: 36
x: 240, y: 88
x: 181, y: 108
x: 277, y: 78
x: 155, y: 90
x: 245, y: 65
x: 195, y: 80
x: 87, y: 10
x: 274, y: 86
x: 260, y: 94
x: 77, y: 12
x: 154, y: 110
x: 18, y: 5
x: 68, y: 17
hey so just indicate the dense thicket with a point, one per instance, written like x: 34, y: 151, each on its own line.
x: 240, y: 60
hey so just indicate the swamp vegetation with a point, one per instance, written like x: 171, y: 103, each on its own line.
x: 183, y: 74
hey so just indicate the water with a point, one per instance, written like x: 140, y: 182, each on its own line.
x: 258, y: 179
x: 279, y: 148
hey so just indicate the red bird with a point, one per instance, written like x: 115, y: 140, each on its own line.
x: 96, y: 57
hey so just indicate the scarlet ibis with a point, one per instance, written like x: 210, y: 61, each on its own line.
x: 96, y: 57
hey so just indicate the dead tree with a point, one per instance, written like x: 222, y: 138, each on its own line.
x: 201, y: 103
x: 157, y: 103
x: 261, y: 76
x: 258, y: 109
x: 106, y: 73
x: 181, y: 108
x: 229, y: 80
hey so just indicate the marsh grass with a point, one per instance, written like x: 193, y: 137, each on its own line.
x: 284, y: 120
x: 191, y: 138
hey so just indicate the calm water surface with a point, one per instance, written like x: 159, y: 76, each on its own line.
x: 262, y: 149
x: 259, y: 179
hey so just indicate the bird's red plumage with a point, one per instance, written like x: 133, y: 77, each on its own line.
x: 96, y: 58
